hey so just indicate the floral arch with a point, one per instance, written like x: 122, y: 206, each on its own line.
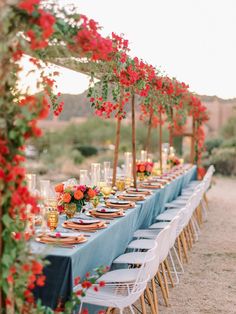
x: 50, y: 34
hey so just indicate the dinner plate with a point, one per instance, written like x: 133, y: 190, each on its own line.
x: 117, y: 202
x: 84, y: 221
x: 107, y: 210
x: 64, y: 235
x: 138, y: 190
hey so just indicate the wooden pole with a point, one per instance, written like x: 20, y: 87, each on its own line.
x: 192, y: 155
x: 117, y: 141
x: 171, y: 128
x: 1, y: 252
x: 133, y: 139
x: 160, y: 141
x: 148, y: 140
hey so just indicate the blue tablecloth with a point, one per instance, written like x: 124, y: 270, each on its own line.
x: 103, y: 246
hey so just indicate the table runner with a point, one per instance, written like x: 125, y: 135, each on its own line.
x: 103, y: 246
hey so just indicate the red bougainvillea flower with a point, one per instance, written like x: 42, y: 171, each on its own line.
x: 76, y: 281
x: 86, y: 284
x: 28, y: 5
x: 36, y: 268
x: 102, y: 283
x: 40, y: 280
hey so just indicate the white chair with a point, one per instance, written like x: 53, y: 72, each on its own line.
x: 135, y: 258
x: 123, y: 287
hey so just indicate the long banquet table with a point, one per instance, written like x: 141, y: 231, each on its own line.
x: 103, y: 246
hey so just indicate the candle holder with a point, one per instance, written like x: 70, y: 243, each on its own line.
x: 83, y: 177
x: 107, y: 167
x: 128, y: 164
x: 95, y: 173
x: 143, y: 155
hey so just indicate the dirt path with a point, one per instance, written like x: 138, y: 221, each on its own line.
x: 209, y: 282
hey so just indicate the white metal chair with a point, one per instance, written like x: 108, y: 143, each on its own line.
x: 123, y: 287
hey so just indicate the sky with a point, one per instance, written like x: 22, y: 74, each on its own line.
x: 192, y: 40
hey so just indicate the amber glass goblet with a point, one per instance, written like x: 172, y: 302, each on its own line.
x: 52, y: 219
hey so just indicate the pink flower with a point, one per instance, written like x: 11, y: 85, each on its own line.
x: 82, y: 188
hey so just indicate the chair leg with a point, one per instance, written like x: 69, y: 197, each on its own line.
x: 154, y: 291
x: 179, y: 250
x: 196, y: 226
x: 131, y: 309
x: 150, y: 300
x: 165, y: 279
x: 178, y: 259
x: 143, y: 306
x: 169, y: 272
x: 192, y: 231
x: 80, y: 307
x: 190, y: 236
x: 206, y: 200
x: 183, y: 241
x: 163, y: 290
x: 186, y: 238
x: 174, y: 268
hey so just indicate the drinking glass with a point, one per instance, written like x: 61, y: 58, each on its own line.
x: 120, y: 184
x: 106, y: 190
x: 95, y: 201
x: 52, y: 219
x: 70, y: 210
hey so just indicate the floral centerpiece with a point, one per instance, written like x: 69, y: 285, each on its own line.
x: 173, y: 161
x: 144, y: 169
x: 77, y: 195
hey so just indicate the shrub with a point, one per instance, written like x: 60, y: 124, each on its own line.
x: 87, y: 151
x: 229, y: 143
x: 77, y: 156
x: 224, y: 160
x: 213, y: 143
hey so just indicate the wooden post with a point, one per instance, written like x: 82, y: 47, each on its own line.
x: 133, y: 139
x: 117, y: 141
x: 160, y: 141
x: 171, y: 128
x: 192, y: 155
x: 148, y: 140
x: 1, y: 252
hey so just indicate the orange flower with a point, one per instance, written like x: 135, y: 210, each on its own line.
x: 66, y: 198
x: 78, y: 195
x: 141, y: 168
x: 91, y: 193
x: 59, y: 188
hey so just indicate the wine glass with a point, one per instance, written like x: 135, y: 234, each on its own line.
x: 106, y: 190
x: 120, y: 184
x: 95, y: 201
x: 70, y: 210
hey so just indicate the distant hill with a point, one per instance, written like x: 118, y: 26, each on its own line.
x: 79, y: 106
